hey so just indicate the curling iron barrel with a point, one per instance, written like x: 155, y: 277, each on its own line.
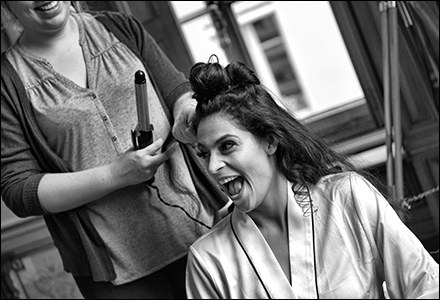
x: 142, y: 136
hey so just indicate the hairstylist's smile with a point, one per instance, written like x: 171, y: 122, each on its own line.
x: 47, y: 6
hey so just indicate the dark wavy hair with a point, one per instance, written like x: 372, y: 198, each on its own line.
x: 235, y: 91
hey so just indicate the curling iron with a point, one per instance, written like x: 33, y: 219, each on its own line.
x: 142, y: 136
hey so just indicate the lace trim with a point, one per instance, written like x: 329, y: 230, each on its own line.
x: 302, y: 197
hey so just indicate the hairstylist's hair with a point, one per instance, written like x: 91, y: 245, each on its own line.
x: 236, y: 92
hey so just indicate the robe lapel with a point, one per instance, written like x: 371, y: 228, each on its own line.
x: 262, y: 257
x: 301, y: 245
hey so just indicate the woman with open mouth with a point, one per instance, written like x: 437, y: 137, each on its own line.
x: 306, y: 223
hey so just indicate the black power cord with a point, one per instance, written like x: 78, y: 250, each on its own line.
x: 150, y: 184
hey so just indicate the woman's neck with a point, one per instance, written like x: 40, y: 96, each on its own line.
x: 45, y: 43
x: 272, y: 212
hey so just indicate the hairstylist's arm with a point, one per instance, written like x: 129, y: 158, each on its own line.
x: 184, y: 111
x: 65, y: 191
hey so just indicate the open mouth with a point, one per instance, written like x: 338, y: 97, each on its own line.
x: 232, y: 185
x: 47, y: 6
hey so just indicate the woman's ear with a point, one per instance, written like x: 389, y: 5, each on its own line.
x: 271, y: 145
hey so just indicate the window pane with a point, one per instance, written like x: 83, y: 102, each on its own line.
x: 202, y: 39
x: 183, y: 9
x: 266, y: 28
x: 274, y: 50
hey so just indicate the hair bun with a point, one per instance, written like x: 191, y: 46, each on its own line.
x: 240, y: 74
x: 208, y: 80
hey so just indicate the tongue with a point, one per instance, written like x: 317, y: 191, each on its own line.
x: 234, y: 187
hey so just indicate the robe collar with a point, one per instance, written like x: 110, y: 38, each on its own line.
x: 266, y: 266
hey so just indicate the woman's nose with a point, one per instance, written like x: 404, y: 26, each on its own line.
x: 215, y: 164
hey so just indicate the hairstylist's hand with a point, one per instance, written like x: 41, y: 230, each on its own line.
x: 183, y: 129
x: 136, y: 166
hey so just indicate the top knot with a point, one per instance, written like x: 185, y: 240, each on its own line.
x: 240, y: 74
x: 210, y: 79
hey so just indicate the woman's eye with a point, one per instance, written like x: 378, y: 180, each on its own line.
x: 202, y: 154
x: 226, y: 146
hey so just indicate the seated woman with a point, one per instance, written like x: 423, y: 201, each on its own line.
x: 306, y: 223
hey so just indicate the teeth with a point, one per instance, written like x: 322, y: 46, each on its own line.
x: 48, y: 6
x: 226, y: 179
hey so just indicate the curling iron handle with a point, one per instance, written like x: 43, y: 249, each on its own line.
x: 142, y: 139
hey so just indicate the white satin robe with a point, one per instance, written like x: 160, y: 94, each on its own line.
x: 359, y: 242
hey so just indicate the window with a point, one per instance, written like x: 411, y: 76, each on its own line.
x: 295, y: 47
x: 273, y: 47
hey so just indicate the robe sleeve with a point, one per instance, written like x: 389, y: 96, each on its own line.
x: 409, y: 271
x: 199, y: 282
